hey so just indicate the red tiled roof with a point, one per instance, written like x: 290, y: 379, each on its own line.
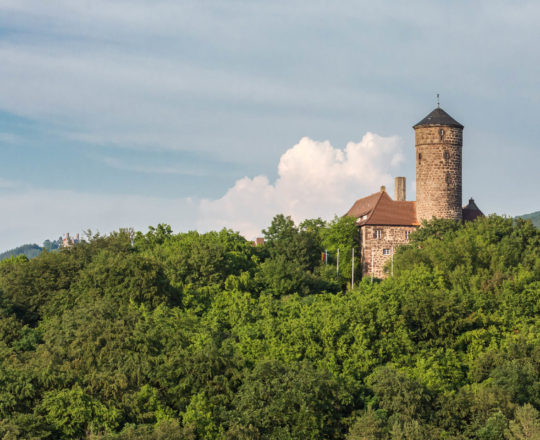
x: 364, y: 205
x: 380, y: 209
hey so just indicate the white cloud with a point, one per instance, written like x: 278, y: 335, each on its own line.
x: 315, y: 179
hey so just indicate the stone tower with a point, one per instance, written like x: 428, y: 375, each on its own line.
x: 439, y: 141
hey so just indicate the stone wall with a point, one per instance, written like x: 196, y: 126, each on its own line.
x: 438, y: 172
x: 390, y: 238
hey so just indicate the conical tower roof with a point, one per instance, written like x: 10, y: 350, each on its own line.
x: 438, y: 117
x: 471, y: 211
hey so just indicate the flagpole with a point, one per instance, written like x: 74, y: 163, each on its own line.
x: 372, y: 267
x: 392, y: 260
x: 352, y: 269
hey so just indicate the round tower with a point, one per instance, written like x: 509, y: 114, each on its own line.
x: 439, y: 141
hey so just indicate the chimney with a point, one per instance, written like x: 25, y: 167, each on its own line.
x: 400, y: 189
x: 383, y: 188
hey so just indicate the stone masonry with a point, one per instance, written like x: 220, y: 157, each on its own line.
x: 438, y: 172
x: 385, y: 224
x: 378, y: 245
x: 400, y: 193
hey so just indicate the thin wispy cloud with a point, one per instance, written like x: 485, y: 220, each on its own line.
x: 145, y: 169
x: 7, y: 184
x: 9, y: 138
x: 125, y: 71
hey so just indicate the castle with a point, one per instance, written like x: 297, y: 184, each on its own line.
x: 384, y: 224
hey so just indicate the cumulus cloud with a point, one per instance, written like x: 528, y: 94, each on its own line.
x: 315, y: 179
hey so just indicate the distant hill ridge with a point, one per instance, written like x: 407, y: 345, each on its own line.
x: 534, y: 217
x: 30, y: 250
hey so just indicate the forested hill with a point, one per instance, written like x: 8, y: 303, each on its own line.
x: 32, y: 250
x: 205, y: 336
x: 533, y: 217
x: 29, y: 250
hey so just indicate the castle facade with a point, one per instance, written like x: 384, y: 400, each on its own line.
x: 385, y: 223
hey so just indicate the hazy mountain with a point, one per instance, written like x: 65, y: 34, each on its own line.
x: 534, y: 217
x: 30, y: 250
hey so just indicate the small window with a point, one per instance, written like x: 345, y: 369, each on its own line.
x: 386, y: 251
x: 377, y: 234
x: 446, y: 155
x: 407, y: 234
x: 448, y: 179
x: 441, y: 134
x: 419, y: 157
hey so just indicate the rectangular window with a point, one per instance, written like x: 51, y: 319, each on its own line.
x: 377, y: 234
x: 386, y: 251
x: 407, y: 233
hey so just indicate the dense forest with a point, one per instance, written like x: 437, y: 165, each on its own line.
x: 204, y: 336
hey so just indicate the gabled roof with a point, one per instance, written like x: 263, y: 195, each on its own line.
x: 471, y: 211
x: 439, y: 117
x: 380, y: 209
x: 365, y: 205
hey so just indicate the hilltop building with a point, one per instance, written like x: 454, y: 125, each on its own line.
x: 386, y: 224
x: 69, y: 241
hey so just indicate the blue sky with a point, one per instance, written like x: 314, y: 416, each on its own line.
x: 210, y: 114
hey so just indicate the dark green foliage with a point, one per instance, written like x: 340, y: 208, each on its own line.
x: 293, y: 254
x: 287, y: 401
x: 204, y: 336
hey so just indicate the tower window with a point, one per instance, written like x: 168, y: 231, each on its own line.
x: 446, y: 155
x: 441, y: 134
x: 419, y: 157
x: 448, y: 179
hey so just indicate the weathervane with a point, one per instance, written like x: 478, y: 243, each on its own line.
x: 438, y: 103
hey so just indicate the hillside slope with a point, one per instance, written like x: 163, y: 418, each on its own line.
x: 534, y: 217
x: 30, y: 250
